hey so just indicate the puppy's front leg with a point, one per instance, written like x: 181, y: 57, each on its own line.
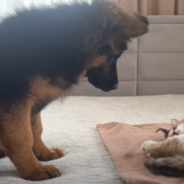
x: 40, y: 150
x: 17, y: 140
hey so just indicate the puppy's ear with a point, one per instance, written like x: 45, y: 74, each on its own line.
x: 175, y: 122
x: 116, y: 22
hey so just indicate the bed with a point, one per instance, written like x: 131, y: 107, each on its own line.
x: 153, y: 65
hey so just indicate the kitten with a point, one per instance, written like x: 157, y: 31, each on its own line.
x: 177, y: 129
x: 167, y: 157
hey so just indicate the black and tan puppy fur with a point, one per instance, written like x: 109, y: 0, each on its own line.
x: 43, y: 52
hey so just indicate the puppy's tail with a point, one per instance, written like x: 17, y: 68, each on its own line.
x: 169, y: 166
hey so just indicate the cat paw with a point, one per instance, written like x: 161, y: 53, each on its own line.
x: 145, y: 145
x: 148, y: 155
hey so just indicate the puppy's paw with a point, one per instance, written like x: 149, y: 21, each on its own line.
x: 44, y: 173
x: 50, y: 154
x: 145, y: 145
x: 55, y: 153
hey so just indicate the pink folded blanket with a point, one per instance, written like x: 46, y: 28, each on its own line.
x: 124, y: 144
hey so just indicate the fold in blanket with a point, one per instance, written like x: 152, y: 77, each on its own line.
x: 124, y: 144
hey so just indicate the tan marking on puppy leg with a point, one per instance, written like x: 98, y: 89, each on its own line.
x: 39, y: 148
x: 16, y: 136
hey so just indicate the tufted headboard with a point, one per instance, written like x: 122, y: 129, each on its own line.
x: 153, y: 64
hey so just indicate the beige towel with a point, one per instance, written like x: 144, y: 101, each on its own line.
x: 124, y: 141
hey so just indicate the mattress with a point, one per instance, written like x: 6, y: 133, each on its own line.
x: 71, y: 125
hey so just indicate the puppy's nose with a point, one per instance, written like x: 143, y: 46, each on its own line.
x: 144, y: 19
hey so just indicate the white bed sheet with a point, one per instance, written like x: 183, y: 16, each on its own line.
x: 72, y: 126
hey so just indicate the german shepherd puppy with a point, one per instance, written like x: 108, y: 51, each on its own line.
x: 43, y: 53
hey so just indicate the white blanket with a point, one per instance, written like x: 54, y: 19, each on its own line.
x: 72, y: 126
